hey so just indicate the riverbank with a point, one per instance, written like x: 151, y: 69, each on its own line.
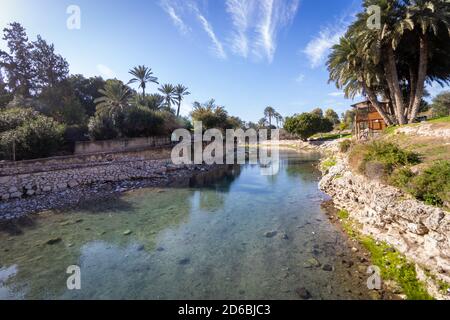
x: 391, y: 217
x: 163, y: 174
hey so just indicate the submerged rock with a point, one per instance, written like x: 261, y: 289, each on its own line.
x: 184, y: 261
x: 311, y: 263
x: 127, y: 232
x: 303, y: 293
x: 327, y: 267
x: 54, y: 241
x: 271, y: 234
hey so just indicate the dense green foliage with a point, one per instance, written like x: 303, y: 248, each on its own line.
x: 214, y: 116
x: 35, y: 86
x: 394, y: 61
x: 27, y: 134
x: 441, y: 105
x: 306, y: 125
x: 431, y: 186
x: 388, y: 155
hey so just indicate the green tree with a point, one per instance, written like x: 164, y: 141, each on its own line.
x: 269, y: 113
x: 180, y: 92
x: 306, y: 125
x: 18, y: 64
x: 49, y: 67
x: 441, y: 105
x: 332, y: 116
x: 143, y: 75
x: 168, y: 91
x: 115, y: 98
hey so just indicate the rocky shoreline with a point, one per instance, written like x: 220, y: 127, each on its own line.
x: 72, y: 197
x: 386, y: 214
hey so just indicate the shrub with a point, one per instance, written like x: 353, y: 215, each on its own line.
x: 388, y: 154
x: 37, y: 136
x: 101, y: 127
x: 345, y: 146
x: 433, y: 184
x: 141, y: 122
x: 401, y: 177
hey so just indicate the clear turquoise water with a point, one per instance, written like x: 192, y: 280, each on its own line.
x: 206, y: 240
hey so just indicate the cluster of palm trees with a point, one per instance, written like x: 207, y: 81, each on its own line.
x: 269, y: 114
x: 116, y: 95
x: 393, y: 62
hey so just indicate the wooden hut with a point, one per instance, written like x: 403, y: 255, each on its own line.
x: 368, y: 120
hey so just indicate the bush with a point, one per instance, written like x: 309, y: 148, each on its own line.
x: 388, y: 154
x: 433, y: 184
x: 345, y: 146
x: 141, y: 122
x: 34, y: 136
x: 101, y: 127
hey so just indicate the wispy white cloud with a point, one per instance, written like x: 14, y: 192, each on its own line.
x: 256, y: 24
x: 169, y: 8
x: 217, y: 46
x: 319, y: 47
x: 274, y: 15
x: 105, y: 71
x: 240, y: 12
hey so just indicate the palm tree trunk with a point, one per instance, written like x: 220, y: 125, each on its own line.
x: 422, y: 74
x: 178, y: 111
x: 376, y: 104
x: 394, y: 83
x: 143, y: 92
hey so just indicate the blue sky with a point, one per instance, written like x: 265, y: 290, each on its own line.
x: 247, y: 54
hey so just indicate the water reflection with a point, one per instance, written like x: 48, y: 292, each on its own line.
x: 205, y: 239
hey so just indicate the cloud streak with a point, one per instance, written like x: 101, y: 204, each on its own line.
x: 257, y: 23
x: 318, y: 48
x: 217, y: 47
x: 175, y: 17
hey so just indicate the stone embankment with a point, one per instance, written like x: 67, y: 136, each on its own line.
x: 55, y: 183
x: 419, y: 231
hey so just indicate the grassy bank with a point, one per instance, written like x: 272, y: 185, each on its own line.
x: 393, y: 265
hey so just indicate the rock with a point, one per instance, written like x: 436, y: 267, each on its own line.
x: 127, y: 232
x: 160, y: 249
x: 270, y: 234
x: 140, y: 247
x: 354, y: 249
x: 284, y: 236
x: 311, y: 263
x: 54, y: 241
x: 16, y: 195
x: 348, y: 264
x: 72, y: 183
x: 184, y: 261
x: 30, y: 192
x: 327, y: 267
x: 303, y: 293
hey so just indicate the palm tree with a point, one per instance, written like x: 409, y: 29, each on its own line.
x: 279, y: 119
x: 180, y: 92
x: 425, y: 16
x: 115, y: 98
x: 168, y: 91
x: 355, y: 73
x: 143, y: 75
x: 269, y: 113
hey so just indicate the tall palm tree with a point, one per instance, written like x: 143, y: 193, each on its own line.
x: 168, y: 91
x: 115, y: 98
x: 143, y: 75
x: 279, y: 119
x: 355, y: 73
x: 427, y: 17
x: 180, y: 92
x: 269, y: 112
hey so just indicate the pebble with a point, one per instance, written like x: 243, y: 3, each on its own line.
x: 270, y: 234
x: 127, y: 232
x: 303, y: 293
